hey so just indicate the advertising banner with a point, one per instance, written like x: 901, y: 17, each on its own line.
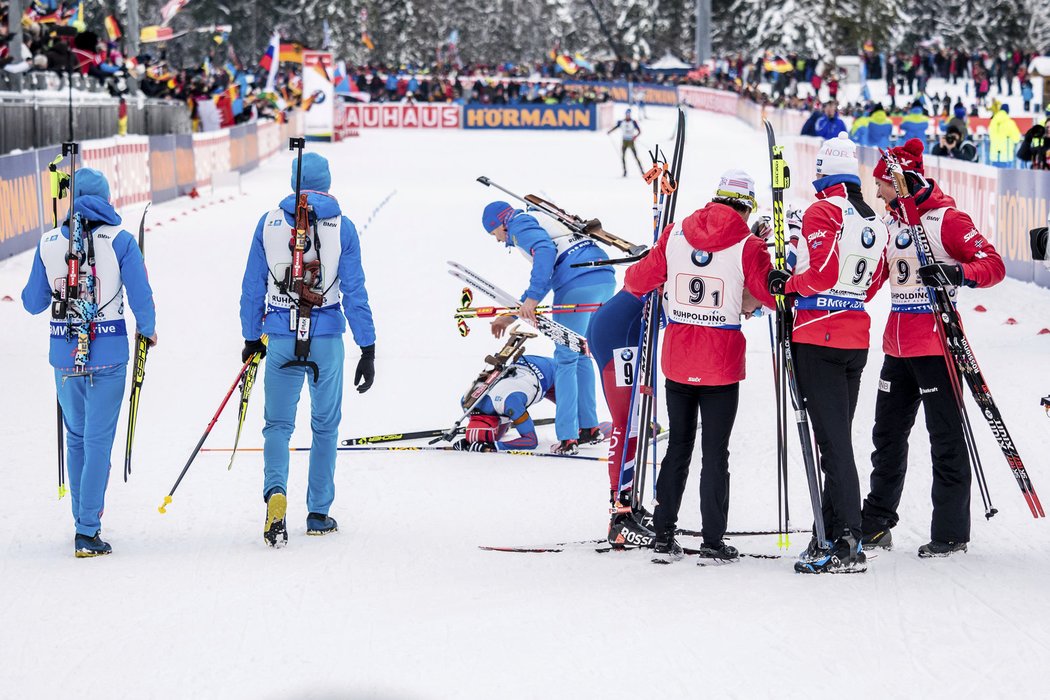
x: 319, y: 95
x: 163, y: 182
x: 720, y: 101
x: 21, y: 217
x: 400, y: 116
x: 550, y: 117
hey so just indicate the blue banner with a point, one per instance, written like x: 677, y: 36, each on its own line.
x: 21, y: 217
x: 528, y: 116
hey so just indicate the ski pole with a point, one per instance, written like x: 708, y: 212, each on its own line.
x: 200, y: 443
x: 57, y: 187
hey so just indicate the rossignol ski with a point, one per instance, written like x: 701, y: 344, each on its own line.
x: 643, y: 398
x: 552, y: 329
x: 139, y: 371
x: 960, y: 357
x: 247, y: 382
x: 301, y: 278
x: 784, y: 362
x: 590, y: 228
x: 498, y: 367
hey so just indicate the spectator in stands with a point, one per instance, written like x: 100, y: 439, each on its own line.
x: 879, y: 128
x: 914, y: 124
x: 1035, y: 149
x: 1003, y: 137
x: 825, y: 122
x: 958, y: 119
x: 955, y: 145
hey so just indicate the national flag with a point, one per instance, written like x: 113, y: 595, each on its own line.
x: 291, y: 53
x: 122, y: 118
x: 778, y: 65
x: 566, y: 64
x: 270, y: 60
x: 367, y: 41
x: 170, y: 9
x: 583, y: 63
x: 155, y: 33
x: 77, y: 20
x: 112, y: 28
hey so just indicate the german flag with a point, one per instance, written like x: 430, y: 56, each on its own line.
x: 291, y: 53
x: 113, y: 28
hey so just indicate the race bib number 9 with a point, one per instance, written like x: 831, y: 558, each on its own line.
x: 626, y: 363
x: 857, y: 272
x: 698, y: 290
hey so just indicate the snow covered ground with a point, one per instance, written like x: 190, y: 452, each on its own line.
x: 401, y: 603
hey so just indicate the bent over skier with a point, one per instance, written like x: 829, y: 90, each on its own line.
x: 704, y: 263
x: 90, y: 375
x: 268, y: 304
x: 915, y: 369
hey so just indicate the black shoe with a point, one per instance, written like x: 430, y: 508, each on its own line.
x: 565, y: 447
x: 844, y: 556
x: 625, y: 530
x: 880, y: 539
x: 85, y: 547
x: 719, y: 550
x: 941, y: 549
x: 317, y: 524
x: 275, y: 533
x: 667, y: 550
x: 591, y: 436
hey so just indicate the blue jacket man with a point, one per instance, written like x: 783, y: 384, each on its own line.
x: 553, y: 249
x: 91, y: 391
x: 880, y: 128
x: 825, y: 122
x: 334, y: 272
x: 914, y: 124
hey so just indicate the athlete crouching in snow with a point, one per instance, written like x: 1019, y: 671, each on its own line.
x: 553, y: 249
x: 915, y: 370
x: 266, y: 308
x: 705, y: 262
x: 839, y: 267
x: 91, y: 394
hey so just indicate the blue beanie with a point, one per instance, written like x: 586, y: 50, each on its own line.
x: 495, y: 215
x: 316, y: 176
x: 1005, y: 108
x: 960, y: 111
x: 88, y: 181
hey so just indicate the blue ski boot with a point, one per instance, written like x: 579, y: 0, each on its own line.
x: 317, y: 524
x: 84, y: 546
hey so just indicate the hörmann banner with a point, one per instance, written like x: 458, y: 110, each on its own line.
x: 529, y: 116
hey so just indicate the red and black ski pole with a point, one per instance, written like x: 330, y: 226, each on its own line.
x: 163, y: 508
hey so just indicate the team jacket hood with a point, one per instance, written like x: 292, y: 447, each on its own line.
x: 715, y: 227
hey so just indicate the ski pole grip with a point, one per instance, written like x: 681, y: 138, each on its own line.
x: 164, y: 506
x: 485, y: 181
x: 296, y: 143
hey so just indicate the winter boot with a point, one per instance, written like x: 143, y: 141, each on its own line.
x: 566, y: 447
x: 880, y: 539
x: 591, y: 436
x: 317, y: 524
x: 719, y: 550
x: 275, y: 532
x: 666, y: 550
x: 85, y: 547
x: 941, y: 549
x: 844, y: 556
x: 625, y: 530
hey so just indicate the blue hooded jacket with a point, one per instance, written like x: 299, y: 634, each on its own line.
x: 109, y: 349
x: 550, y: 270
x: 254, y: 319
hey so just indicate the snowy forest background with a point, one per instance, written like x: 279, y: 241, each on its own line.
x: 493, y: 31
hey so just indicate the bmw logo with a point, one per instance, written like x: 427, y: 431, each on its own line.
x: 867, y: 237
x: 903, y: 239
x: 627, y: 355
x: 701, y: 258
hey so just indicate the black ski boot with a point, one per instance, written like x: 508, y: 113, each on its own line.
x: 626, y: 531
x: 565, y: 447
x: 275, y: 533
x: 85, y: 547
x: 844, y: 556
x: 880, y: 539
x: 591, y: 436
x: 317, y: 524
x: 719, y: 550
x: 666, y: 550
x: 933, y: 548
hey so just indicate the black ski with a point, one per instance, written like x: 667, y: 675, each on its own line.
x: 417, y: 435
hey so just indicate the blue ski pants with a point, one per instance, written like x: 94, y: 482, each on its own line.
x: 90, y: 408
x: 574, y: 385
x: 282, y: 386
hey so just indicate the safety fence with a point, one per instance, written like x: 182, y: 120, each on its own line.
x: 139, y: 169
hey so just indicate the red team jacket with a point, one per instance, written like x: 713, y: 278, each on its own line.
x: 914, y: 334
x: 835, y: 329
x: 699, y: 355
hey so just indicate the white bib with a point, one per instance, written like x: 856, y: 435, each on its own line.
x: 703, y: 288
x: 565, y: 241
x: 277, y: 235
x: 522, y: 379
x: 907, y: 293
x: 109, y: 290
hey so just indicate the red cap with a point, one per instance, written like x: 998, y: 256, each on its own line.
x: 909, y: 155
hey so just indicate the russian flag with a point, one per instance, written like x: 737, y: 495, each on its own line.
x: 268, y: 59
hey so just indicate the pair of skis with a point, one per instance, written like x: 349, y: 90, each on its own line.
x: 552, y: 329
x: 962, y: 363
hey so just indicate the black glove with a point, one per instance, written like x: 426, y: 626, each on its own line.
x: 941, y: 275
x: 251, y: 347
x: 366, y: 369
x: 777, y: 279
x: 464, y: 446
